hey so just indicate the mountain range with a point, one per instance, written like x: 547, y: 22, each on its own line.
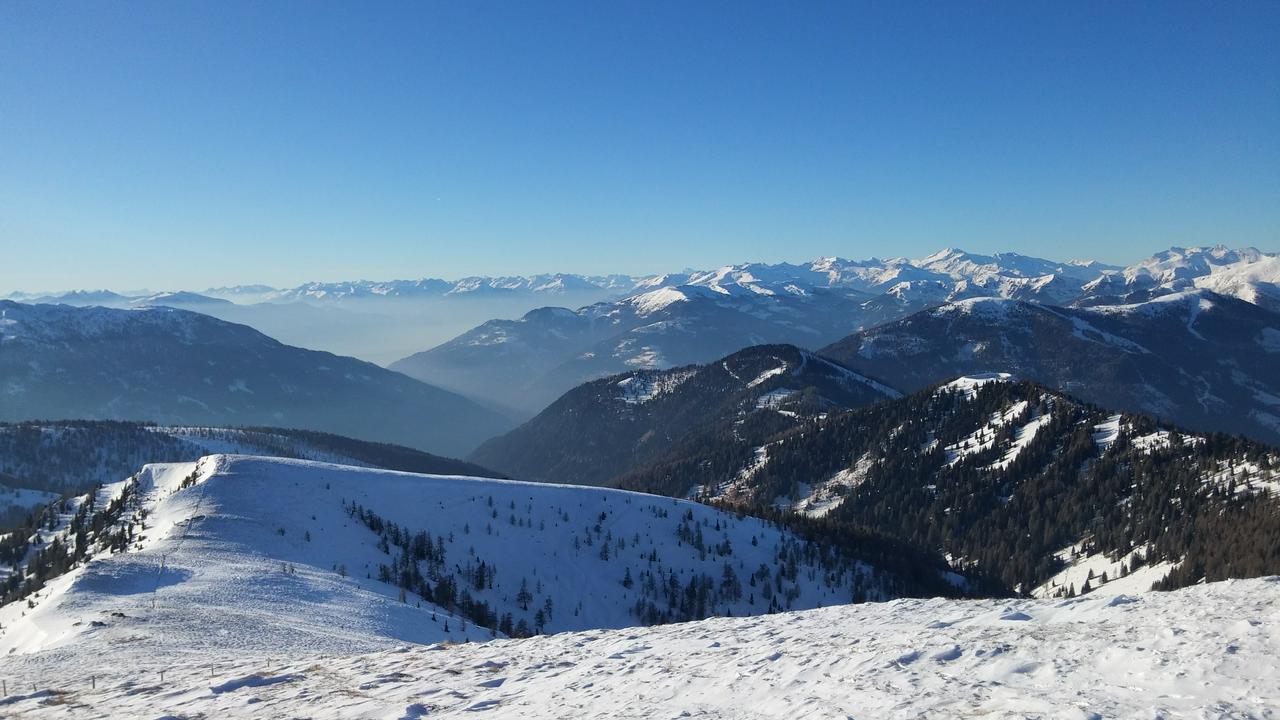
x: 375, y: 321
x: 550, y: 284
x: 389, y: 320
x: 673, y: 320
x: 525, y: 364
x: 1203, y: 360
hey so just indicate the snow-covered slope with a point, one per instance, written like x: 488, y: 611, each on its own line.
x: 240, y: 554
x: 1208, y: 651
x: 1256, y: 281
x: 1177, y: 264
x: 1244, y: 273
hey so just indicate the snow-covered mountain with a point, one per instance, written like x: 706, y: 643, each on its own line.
x: 385, y: 321
x: 178, y: 299
x: 607, y: 427
x: 962, y: 273
x: 80, y: 298
x: 40, y: 461
x: 245, y: 554
x: 550, y: 284
x: 545, y: 284
x: 1176, y: 266
x: 253, y: 293
x: 1203, y: 360
x: 1018, y: 481
x: 1207, y: 651
x: 178, y: 367
x: 1256, y: 282
x: 527, y: 363
x: 1001, y: 274
x: 1245, y: 273
x: 375, y: 321
x: 698, y: 316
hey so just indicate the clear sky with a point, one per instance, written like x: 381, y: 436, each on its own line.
x: 177, y: 143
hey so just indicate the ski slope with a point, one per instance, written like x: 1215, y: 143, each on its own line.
x: 1207, y: 651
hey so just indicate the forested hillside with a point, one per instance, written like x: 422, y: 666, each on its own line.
x: 608, y: 427
x: 1012, y: 480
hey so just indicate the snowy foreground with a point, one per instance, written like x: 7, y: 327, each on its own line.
x: 250, y: 589
x: 1209, y: 651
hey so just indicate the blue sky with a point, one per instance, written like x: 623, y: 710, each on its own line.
x: 197, y: 143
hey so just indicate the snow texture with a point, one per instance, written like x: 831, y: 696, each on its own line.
x: 1207, y: 651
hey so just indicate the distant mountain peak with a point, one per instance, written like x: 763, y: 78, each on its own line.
x: 178, y: 298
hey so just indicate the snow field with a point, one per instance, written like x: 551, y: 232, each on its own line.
x: 1208, y: 651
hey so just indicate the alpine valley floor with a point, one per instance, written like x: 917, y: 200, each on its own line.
x: 1207, y: 651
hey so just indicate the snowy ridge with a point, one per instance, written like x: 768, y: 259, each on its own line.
x: 54, y: 324
x: 1256, y: 282
x: 177, y: 299
x: 49, y: 460
x: 550, y: 284
x: 1199, y: 652
x: 220, y: 550
x: 651, y: 302
x: 1178, y: 263
x: 968, y: 385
